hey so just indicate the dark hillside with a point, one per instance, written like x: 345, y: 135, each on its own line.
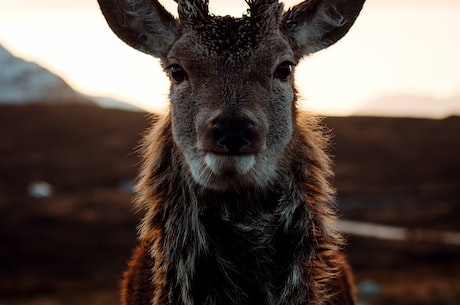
x: 73, y: 147
x: 81, y: 236
x: 394, y: 156
x: 402, y: 172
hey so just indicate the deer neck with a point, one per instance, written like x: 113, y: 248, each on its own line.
x: 238, y: 247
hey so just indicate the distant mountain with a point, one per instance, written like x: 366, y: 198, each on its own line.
x: 406, y: 105
x: 23, y: 82
x: 108, y: 102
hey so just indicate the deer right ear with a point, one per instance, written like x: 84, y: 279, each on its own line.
x: 143, y: 24
x: 316, y: 24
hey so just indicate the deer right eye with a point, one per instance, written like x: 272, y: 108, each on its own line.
x: 177, y: 74
x: 283, y: 71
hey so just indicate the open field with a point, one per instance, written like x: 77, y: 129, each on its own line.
x: 71, y: 248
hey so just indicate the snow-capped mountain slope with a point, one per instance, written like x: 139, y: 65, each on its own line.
x: 22, y: 82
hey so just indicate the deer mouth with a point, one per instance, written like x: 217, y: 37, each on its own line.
x: 222, y: 172
x: 229, y: 166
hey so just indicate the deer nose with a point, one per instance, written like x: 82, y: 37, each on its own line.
x: 233, y: 135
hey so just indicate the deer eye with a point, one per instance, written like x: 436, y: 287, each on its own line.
x: 283, y: 71
x: 177, y: 74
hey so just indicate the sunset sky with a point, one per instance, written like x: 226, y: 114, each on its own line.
x: 395, y: 47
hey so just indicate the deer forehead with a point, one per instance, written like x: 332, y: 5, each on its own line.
x: 230, y: 35
x: 224, y: 40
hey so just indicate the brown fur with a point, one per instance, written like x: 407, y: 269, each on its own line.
x: 235, y: 181
x: 328, y: 278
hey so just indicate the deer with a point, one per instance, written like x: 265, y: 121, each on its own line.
x: 235, y: 182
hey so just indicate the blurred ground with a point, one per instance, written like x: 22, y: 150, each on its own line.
x: 71, y: 248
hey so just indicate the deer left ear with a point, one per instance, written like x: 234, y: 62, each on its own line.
x: 143, y: 24
x: 316, y: 24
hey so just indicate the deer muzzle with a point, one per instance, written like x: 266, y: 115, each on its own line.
x: 231, y: 135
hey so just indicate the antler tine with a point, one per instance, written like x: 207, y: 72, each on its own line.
x: 193, y: 11
x: 206, y: 2
x: 261, y: 2
x: 269, y: 11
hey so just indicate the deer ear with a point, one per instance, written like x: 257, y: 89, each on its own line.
x: 143, y: 24
x: 316, y: 24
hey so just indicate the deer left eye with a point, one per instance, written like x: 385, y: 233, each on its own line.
x: 283, y: 71
x: 177, y: 73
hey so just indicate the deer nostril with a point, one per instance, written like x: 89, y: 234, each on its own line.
x: 232, y: 136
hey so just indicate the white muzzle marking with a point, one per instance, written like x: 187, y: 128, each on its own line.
x: 240, y: 165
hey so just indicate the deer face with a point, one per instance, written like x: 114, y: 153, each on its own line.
x: 232, y: 99
x: 232, y: 89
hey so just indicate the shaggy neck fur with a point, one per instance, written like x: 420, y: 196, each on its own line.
x: 271, y: 246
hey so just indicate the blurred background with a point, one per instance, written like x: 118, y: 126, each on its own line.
x: 74, y: 101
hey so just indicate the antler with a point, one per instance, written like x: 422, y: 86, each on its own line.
x: 192, y: 11
x: 260, y: 2
x: 267, y: 11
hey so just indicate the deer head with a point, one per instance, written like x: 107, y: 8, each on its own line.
x: 233, y: 101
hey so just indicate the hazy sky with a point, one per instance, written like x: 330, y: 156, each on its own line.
x: 395, y: 47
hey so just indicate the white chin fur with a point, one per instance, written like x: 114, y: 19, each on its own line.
x: 221, y: 173
x: 238, y: 164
